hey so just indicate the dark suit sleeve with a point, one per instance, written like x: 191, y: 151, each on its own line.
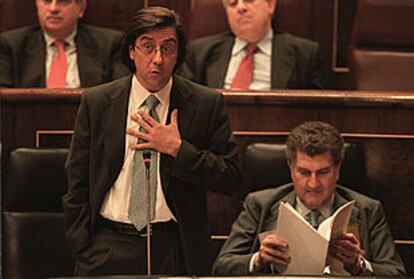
x: 235, y: 255
x: 212, y: 165
x: 99, y: 55
x: 189, y: 67
x: 76, y: 200
x: 6, y: 79
x: 317, y: 75
x: 384, y: 257
x: 119, y: 67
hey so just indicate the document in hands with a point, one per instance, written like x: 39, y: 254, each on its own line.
x: 309, y: 247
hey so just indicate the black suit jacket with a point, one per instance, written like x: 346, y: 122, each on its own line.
x: 23, y: 54
x: 295, y: 61
x: 207, y: 160
x: 260, y: 215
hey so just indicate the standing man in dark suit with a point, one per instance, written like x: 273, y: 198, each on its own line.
x: 192, y: 149
x: 314, y: 154
x: 280, y: 60
x: 92, y: 54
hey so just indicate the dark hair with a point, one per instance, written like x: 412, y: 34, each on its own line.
x: 148, y: 19
x: 315, y: 138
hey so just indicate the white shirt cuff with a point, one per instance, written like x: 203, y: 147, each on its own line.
x: 252, y: 260
x: 366, y: 268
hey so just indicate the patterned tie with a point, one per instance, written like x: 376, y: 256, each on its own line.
x: 244, y: 74
x: 137, y: 211
x: 57, y: 73
x: 313, y: 217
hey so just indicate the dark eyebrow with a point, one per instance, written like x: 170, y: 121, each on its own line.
x: 146, y: 38
x: 172, y: 39
x: 169, y: 39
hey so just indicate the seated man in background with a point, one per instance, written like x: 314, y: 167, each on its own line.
x: 314, y: 154
x: 60, y: 52
x: 253, y: 55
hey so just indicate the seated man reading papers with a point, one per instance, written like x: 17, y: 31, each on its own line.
x: 364, y: 247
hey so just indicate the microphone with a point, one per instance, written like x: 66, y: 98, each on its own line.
x: 146, y: 155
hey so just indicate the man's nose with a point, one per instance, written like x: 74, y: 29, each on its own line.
x: 53, y: 5
x: 157, y: 58
x: 313, y: 181
x: 241, y: 6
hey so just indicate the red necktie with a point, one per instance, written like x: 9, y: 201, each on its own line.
x: 57, y: 74
x: 244, y: 74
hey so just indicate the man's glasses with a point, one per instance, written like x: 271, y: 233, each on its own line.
x: 149, y: 48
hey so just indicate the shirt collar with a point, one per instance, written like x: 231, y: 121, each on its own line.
x: 69, y: 40
x: 325, y: 210
x: 140, y: 94
x: 265, y: 45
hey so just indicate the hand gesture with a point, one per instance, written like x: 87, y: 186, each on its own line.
x: 162, y: 138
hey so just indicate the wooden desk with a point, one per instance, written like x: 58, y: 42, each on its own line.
x: 382, y: 122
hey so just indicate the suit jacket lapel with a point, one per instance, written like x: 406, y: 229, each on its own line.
x: 221, y: 57
x: 90, y: 71
x: 271, y: 221
x: 180, y: 99
x: 33, y: 68
x: 114, y: 116
x: 283, y: 61
x: 339, y: 200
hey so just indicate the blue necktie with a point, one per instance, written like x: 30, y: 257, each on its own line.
x: 137, y: 211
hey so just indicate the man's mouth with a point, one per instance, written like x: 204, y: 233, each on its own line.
x: 155, y: 72
x: 244, y: 18
x: 314, y: 192
x: 53, y: 18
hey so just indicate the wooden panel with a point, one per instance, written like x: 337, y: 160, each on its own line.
x: 346, y: 12
x: 286, y: 14
x: 26, y: 111
x: 389, y: 171
x: 10, y: 8
x: 406, y: 251
x: 111, y: 13
x: 352, y: 111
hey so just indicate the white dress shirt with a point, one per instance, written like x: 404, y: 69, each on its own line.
x: 116, y: 202
x: 262, y: 62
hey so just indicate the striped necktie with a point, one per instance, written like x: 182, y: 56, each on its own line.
x: 137, y: 211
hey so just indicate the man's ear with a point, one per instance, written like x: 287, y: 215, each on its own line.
x: 338, y: 170
x: 273, y: 5
x: 82, y: 6
x: 131, y: 53
x: 290, y: 165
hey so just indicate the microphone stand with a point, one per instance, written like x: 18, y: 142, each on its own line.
x: 147, y: 162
